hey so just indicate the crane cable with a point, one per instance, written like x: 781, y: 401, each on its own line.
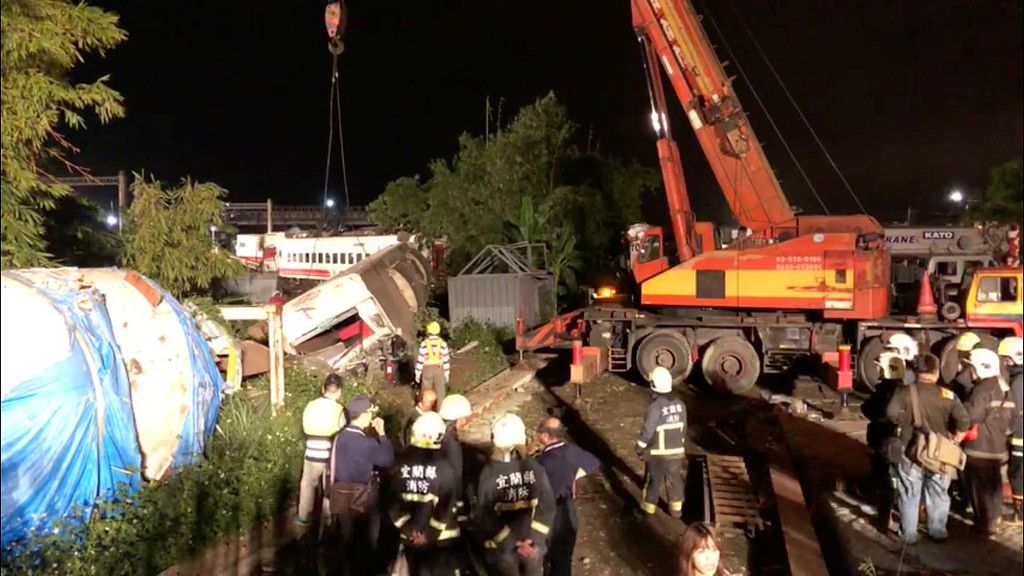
x: 760, y: 103
x: 792, y: 101
x: 334, y: 108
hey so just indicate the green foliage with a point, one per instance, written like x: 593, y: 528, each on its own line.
x: 42, y: 41
x: 251, y: 472
x: 1003, y: 199
x: 489, y: 353
x: 167, y: 235
x: 528, y: 182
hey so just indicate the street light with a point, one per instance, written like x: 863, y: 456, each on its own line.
x: 956, y: 196
x: 111, y: 220
x: 329, y: 202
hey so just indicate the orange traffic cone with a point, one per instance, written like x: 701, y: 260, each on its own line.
x: 926, y: 307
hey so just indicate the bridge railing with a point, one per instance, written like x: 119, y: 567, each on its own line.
x: 256, y: 213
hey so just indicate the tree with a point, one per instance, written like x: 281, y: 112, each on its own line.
x: 168, y: 235
x: 42, y: 41
x: 527, y: 182
x: 1003, y: 199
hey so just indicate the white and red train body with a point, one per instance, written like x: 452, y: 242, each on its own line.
x: 319, y: 258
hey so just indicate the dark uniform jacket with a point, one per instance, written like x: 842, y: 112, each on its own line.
x: 407, y: 427
x: 991, y: 409
x: 514, y: 502
x: 1017, y: 395
x: 355, y: 455
x: 561, y: 462
x: 452, y: 451
x: 663, y: 433
x: 422, y: 497
x: 941, y: 412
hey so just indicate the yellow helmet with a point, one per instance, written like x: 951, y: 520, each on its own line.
x: 433, y: 328
x: 967, y: 341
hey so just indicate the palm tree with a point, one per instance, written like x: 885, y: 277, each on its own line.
x: 563, y: 259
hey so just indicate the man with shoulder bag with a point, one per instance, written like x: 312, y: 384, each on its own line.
x: 931, y: 421
x: 361, y: 451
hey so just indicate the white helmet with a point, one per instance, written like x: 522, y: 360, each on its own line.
x: 902, y: 344
x: 427, y: 431
x: 661, y: 380
x: 508, y: 432
x: 455, y: 406
x: 1012, y: 347
x: 985, y: 363
x: 891, y: 365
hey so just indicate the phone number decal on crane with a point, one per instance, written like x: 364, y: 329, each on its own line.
x: 798, y: 263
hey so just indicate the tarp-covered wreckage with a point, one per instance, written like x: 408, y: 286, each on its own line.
x: 351, y: 315
x: 104, y: 375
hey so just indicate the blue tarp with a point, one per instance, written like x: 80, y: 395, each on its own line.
x: 68, y: 431
x: 206, y: 389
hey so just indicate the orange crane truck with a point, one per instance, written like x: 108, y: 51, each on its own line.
x: 796, y: 286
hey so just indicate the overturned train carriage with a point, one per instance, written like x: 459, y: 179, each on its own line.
x: 104, y: 375
x: 347, y: 319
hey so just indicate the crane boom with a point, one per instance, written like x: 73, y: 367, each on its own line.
x: 672, y: 30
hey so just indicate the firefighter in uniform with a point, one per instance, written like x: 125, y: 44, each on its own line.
x: 990, y: 409
x: 321, y: 420
x: 422, y: 502
x: 662, y: 444
x: 433, y: 362
x: 899, y: 350
x: 1012, y: 351
x: 455, y: 411
x: 963, y: 382
x: 515, y: 505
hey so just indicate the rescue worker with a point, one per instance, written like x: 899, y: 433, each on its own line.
x: 903, y: 346
x: 883, y: 445
x: 963, y: 383
x: 321, y: 420
x: 564, y: 463
x: 455, y: 410
x: 426, y: 401
x: 990, y: 408
x: 662, y: 445
x: 360, y: 452
x: 1011, y: 350
x: 433, y: 362
x: 422, y: 502
x: 515, y: 505
x: 941, y: 412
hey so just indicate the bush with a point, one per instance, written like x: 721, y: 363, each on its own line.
x: 250, y: 474
x: 490, y: 350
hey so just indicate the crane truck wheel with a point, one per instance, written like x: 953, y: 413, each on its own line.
x: 665, y: 348
x: 730, y: 364
x: 950, y: 311
x: 868, y: 371
x: 949, y: 359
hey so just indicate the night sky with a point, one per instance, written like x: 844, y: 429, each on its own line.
x: 911, y: 98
